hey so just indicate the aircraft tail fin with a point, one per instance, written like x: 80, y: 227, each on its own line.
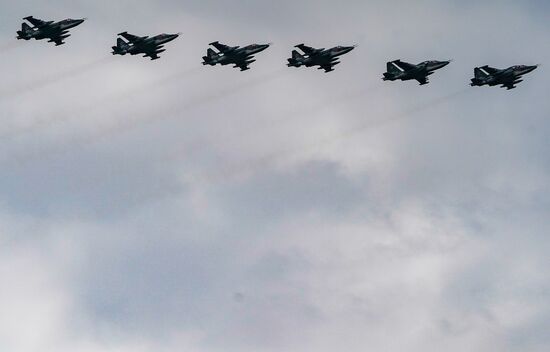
x: 479, y: 73
x: 296, y: 60
x: 392, y: 71
x: 210, y: 57
x: 211, y: 53
x: 480, y: 77
x: 393, y: 68
x: 121, y: 47
x: 296, y: 55
x: 25, y: 32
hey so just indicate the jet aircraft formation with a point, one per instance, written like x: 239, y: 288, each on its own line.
x: 243, y: 57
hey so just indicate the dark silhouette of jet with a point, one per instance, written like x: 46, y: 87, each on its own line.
x: 404, y: 71
x: 233, y: 55
x: 55, y: 32
x: 326, y: 59
x: 507, y: 78
x: 148, y: 46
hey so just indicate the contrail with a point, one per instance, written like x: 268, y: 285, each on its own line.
x: 242, y: 169
x: 8, y: 46
x: 167, y: 113
x: 58, y: 77
x: 269, y: 159
x: 294, y: 114
x: 62, y: 116
x: 122, y: 126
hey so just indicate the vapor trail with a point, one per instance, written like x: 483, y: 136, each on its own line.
x: 235, y: 170
x: 168, y: 113
x: 8, y: 46
x: 68, y: 115
x: 159, y: 114
x: 53, y: 79
x: 251, y: 166
x: 294, y: 114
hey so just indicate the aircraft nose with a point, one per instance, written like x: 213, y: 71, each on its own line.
x: 170, y: 37
x: 80, y: 21
x: 260, y: 47
x: 347, y: 49
x: 526, y: 69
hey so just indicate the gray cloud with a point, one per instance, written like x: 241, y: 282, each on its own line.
x: 277, y: 209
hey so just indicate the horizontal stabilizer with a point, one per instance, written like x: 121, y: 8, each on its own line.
x: 296, y: 55
x: 25, y: 32
x: 211, y: 53
x: 121, y: 47
x: 36, y: 22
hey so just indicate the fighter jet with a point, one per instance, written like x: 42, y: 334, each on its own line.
x: 233, y: 55
x: 148, y: 46
x: 507, y: 78
x: 55, y: 32
x: 326, y: 59
x: 404, y: 71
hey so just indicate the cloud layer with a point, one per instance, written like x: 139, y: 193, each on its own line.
x: 162, y: 206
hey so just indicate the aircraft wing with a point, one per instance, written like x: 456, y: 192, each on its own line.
x: 242, y: 65
x: 404, y: 66
x: 131, y: 38
x: 490, y: 70
x: 152, y: 55
x: 307, y: 49
x: 221, y: 47
x: 58, y: 37
x: 150, y: 50
x: 243, y: 62
x: 58, y: 41
x: 37, y: 22
x: 510, y: 82
x: 328, y: 66
x: 422, y: 80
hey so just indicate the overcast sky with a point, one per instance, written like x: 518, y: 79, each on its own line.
x: 166, y: 206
